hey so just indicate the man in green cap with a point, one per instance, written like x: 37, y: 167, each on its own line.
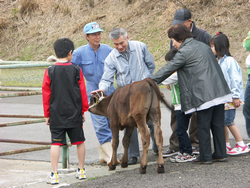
x: 246, y: 107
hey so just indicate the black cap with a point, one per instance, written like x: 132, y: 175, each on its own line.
x: 181, y: 15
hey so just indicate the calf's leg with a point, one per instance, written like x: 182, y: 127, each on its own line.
x: 156, y: 120
x: 145, y: 138
x: 126, y: 142
x: 115, y: 142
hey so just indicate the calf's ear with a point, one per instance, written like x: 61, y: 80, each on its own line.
x: 93, y: 99
x: 96, y: 99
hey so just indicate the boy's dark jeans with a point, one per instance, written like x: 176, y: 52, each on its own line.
x: 181, y: 129
x: 246, y: 107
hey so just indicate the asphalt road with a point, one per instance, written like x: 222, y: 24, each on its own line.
x: 180, y: 175
x: 232, y: 174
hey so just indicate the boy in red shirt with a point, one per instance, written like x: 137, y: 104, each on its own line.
x: 64, y: 102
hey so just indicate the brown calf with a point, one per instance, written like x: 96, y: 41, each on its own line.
x: 130, y: 106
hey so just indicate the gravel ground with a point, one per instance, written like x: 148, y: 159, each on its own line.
x: 234, y: 173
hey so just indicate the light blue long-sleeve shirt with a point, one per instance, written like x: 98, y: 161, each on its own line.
x: 92, y: 65
x: 233, y: 76
x: 140, y: 66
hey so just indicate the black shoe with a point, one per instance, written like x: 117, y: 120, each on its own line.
x: 220, y: 160
x: 132, y: 160
x: 196, y: 161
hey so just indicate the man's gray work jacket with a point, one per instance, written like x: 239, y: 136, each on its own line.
x: 199, y: 74
x: 139, y: 66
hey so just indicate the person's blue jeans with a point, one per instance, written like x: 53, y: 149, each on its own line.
x: 246, y: 106
x: 102, y: 128
x: 229, y: 117
x: 181, y: 129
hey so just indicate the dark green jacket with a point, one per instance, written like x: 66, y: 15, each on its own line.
x: 199, y: 74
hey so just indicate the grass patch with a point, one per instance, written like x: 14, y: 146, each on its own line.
x: 27, y: 77
x: 92, y: 178
x: 33, y: 77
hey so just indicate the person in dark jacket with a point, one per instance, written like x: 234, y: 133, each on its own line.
x: 203, y: 89
x: 65, y: 101
x: 184, y: 16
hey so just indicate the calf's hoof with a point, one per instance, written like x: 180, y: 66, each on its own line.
x: 143, y: 169
x: 111, y: 167
x: 124, y: 165
x: 160, y: 169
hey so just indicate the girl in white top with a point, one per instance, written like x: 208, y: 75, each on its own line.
x: 233, y: 75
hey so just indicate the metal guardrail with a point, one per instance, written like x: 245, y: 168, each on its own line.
x: 24, y: 150
x: 23, y: 64
x: 4, y: 95
x: 19, y: 89
x: 22, y: 123
x: 22, y: 141
x: 31, y: 91
x: 65, y: 149
x: 25, y: 141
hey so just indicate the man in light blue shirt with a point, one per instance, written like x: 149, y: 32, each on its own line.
x: 91, y: 58
x: 129, y: 61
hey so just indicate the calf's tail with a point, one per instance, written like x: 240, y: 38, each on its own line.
x: 158, y: 92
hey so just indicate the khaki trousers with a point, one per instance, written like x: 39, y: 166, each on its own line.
x: 193, y: 132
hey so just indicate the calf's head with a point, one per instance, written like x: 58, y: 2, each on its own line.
x: 94, y: 106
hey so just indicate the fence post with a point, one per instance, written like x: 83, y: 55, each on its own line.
x: 65, y: 154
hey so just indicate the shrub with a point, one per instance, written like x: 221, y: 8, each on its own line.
x: 28, y: 6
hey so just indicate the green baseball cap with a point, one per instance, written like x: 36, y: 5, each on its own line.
x: 246, y: 42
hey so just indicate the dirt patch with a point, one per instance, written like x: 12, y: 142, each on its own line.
x: 29, y: 27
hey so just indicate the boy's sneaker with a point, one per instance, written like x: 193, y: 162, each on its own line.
x: 169, y: 153
x: 81, y: 174
x: 53, y: 179
x: 238, y: 150
x: 248, y: 145
x: 229, y: 148
x: 195, y: 151
x: 185, y: 158
x: 178, y: 156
